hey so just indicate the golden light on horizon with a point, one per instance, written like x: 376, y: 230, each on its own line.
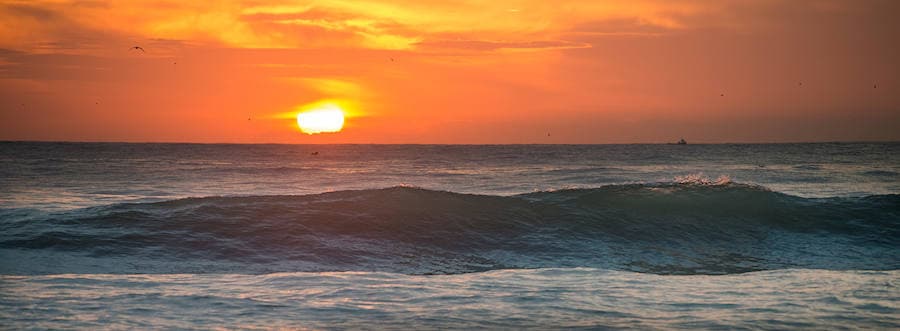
x: 324, y: 119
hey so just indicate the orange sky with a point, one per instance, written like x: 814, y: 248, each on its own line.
x: 463, y: 71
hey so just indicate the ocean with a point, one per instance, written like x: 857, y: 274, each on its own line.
x: 199, y: 236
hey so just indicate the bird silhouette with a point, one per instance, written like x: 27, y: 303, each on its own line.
x: 139, y: 48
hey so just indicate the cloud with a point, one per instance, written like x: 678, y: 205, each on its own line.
x: 30, y: 11
x: 486, y: 45
x: 71, y: 26
x: 331, y: 86
x: 621, y: 27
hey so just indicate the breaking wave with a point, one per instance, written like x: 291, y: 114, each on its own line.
x: 691, y: 226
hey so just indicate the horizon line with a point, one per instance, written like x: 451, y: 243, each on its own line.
x: 446, y: 144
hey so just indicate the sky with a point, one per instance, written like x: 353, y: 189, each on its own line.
x: 455, y: 72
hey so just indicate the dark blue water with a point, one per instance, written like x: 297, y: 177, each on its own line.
x: 500, y: 223
x: 676, y: 228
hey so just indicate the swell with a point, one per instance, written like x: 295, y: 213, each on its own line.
x: 676, y: 228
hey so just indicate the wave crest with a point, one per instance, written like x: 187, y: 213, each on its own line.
x: 691, y: 226
x: 701, y: 179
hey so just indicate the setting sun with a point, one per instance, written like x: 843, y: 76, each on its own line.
x: 326, y: 119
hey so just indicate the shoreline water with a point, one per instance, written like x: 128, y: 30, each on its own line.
x: 579, y: 298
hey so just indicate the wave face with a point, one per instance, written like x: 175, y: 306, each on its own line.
x: 677, y: 228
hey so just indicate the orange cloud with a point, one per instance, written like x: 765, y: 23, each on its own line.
x: 67, y: 25
x: 447, y: 71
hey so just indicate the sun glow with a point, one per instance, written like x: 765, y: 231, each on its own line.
x: 328, y: 118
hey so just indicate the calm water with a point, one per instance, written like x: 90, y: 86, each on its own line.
x: 419, y: 236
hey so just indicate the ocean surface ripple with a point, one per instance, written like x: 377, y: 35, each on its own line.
x: 541, y: 299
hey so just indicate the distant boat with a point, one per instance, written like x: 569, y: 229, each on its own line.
x: 681, y: 142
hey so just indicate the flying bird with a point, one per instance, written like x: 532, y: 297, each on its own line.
x: 139, y: 48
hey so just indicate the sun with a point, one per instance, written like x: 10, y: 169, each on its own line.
x: 327, y: 118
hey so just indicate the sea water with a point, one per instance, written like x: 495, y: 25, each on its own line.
x: 770, y: 236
